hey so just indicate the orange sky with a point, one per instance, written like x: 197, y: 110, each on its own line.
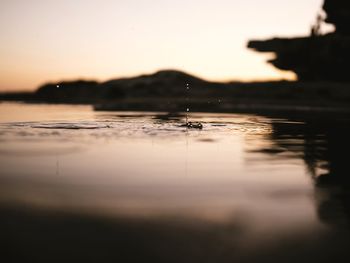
x: 50, y: 40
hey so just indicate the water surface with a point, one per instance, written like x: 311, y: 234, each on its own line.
x: 246, y: 183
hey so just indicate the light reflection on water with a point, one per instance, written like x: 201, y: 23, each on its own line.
x: 261, y: 172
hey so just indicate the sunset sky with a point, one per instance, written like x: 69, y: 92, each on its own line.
x: 51, y: 40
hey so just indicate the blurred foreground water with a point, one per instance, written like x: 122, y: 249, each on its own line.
x: 79, y: 185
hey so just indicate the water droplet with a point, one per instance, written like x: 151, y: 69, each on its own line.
x: 188, y: 109
x: 57, y: 86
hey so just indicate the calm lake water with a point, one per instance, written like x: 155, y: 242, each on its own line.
x: 134, y: 186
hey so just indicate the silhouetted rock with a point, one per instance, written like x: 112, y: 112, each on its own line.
x: 338, y: 13
x: 321, y: 58
x: 315, y: 57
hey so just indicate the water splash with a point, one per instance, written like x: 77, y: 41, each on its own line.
x: 189, y: 124
x: 187, y: 100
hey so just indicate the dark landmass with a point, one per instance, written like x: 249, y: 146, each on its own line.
x: 316, y: 57
x: 338, y: 13
x: 166, y: 91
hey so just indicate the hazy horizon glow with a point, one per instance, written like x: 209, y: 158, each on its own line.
x: 44, y: 40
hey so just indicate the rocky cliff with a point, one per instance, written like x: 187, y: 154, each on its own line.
x: 316, y: 57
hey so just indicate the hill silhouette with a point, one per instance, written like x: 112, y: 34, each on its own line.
x: 165, y: 83
x: 165, y: 90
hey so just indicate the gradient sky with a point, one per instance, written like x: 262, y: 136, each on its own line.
x: 51, y: 40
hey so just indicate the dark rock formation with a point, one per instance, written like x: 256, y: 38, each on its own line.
x: 338, y: 13
x: 316, y: 57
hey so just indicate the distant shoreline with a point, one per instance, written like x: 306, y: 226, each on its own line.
x: 165, y: 91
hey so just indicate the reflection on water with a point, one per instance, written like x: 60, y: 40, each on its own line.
x: 92, y: 186
x: 323, y: 146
